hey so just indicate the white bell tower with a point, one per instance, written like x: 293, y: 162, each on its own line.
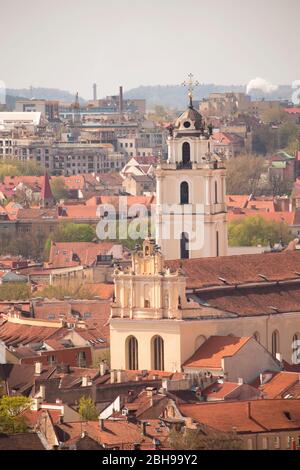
x: 191, y: 219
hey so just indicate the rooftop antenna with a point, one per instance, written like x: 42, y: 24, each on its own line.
x: 190, y: 84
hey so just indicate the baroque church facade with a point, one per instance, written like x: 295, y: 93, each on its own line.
x: 181, y: 289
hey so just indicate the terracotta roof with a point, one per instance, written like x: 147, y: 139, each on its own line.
x: 212, y: 351
x: 279, y: 385
x: 285, y: 217
x: 41, y: 214
x: 257, y: 300
x: 67, y: 254
x: 104, y: 291
x: 237, y: 200
x: 246, y: 416
x: 119, y: 433
x: 13, y: 334
x: 218, y: 391
x: 21, y: 441
x: 204, y: 272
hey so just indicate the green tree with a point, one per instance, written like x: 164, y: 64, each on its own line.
x: 264, y: 140
x: 87, y: 409
x: 14, y: 291
x: 69, y: 232
x: 197, y: 439
x: 253, y: 231
x: 11, y: 409
x: 75, y: 290
x: 244, y: 174
x: 59, y: 189
x: 16, y: 168
x: 288, y: 136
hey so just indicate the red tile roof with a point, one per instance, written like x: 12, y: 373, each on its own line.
x: 246, y: 416
x: 119, y: 433
x: 279, y: 384
x: 267, y: 299
x: 67, y: 254
x: 213, y: 350
x: 205, y: 272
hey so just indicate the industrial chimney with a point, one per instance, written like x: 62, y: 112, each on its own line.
x: 121, y: 103
x: 94, y: 91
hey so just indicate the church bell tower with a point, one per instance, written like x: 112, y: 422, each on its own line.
x: 191, y: 218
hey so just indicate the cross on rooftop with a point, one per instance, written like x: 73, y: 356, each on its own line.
x: 190, y: 84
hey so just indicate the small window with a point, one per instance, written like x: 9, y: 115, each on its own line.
x: 187, y: 124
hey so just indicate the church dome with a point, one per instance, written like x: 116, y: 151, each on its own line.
x: 189, y: 119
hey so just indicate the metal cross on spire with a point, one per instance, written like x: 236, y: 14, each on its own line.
x: 190, y: 84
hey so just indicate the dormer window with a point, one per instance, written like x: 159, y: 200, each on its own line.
x: 187, y: 124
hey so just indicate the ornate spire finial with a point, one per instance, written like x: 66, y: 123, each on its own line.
x: 190, y: 84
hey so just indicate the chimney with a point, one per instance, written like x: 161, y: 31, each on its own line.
x: 38, y: 367
x: 113, y: 377
x: 42, y: 391
x: 279, y: 357
x: 261, y: 379
x: 240, y: 381
x: 121, y: 103
x: 36, y: 403
x: 119, y: 376
x: 85, y: 381
x: 101, y: 424
x: 249, y: 409
x: 94, y: 91
x: 150, y: 391
x: 103, y: 368
x: 144, y: 428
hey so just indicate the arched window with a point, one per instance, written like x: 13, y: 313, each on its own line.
x: 275, y: 342
x: 256, y: 336
x: 184, y: 246
x: 158, y: 353
x: 186, y: 153
x: 132, y: 353
x: 147, y: 302
x: 216, y: 192
x: 184, y: 193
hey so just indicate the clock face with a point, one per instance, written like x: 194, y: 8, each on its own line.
x: 187, y: 124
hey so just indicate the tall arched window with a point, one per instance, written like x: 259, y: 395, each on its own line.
x: 132, y: 351
x: 186, y: 153
x: 216, y: 192
x: 275, y: 342
x: 184, y: 246
x: 184, y: 193
x: 158, y: 353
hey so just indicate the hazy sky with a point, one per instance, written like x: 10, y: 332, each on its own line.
x: 69, y: 44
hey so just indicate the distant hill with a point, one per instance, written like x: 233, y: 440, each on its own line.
x: 175, y: 96
x: 43, y: 93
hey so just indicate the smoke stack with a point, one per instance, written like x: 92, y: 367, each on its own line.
x: 94, y: 91
x: 121, y: 103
